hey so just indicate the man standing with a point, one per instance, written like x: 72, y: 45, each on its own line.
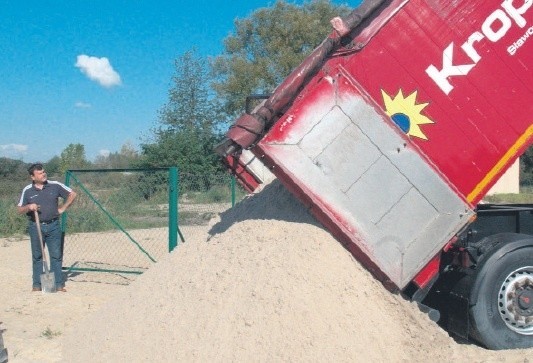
x: 42, y: 195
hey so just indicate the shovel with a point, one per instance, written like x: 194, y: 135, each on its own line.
x: 48, y: 280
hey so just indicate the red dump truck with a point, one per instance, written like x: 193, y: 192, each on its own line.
x: 392, y: 131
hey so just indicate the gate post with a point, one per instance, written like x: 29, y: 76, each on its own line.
x: 233, y: 190
x: 64, y: 215
x: 172, y: 208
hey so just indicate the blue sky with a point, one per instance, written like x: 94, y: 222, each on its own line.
x: 97, y: 72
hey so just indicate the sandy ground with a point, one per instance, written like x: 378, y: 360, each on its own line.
x: 266, y: 284
x: 34, y: 324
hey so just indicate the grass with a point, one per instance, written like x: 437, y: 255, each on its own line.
x: 525, y: 197
x: 50, y: 334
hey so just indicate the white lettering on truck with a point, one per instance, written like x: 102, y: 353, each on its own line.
x: 520, y: 42
x: 494, y: 28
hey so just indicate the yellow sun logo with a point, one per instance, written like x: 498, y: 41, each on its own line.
x: 406, y: 113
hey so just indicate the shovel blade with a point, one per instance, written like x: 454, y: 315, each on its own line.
x: 48, y: 283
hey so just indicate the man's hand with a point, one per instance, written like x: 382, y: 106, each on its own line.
x: 67, y: 203
x: 32, y: 207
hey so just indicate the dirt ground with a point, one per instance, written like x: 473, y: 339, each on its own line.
x: 265, y: 283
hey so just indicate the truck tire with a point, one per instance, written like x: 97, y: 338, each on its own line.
x: 501, y: 314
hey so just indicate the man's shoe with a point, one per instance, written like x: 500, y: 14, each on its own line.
x: 61, y: 289
x: 36, y: 289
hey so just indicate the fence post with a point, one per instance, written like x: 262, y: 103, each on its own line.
x: 233, y: 190
x: 172, y: 208
x: 64, y: 215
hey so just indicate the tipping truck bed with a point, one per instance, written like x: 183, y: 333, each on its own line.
x: 396, y: 126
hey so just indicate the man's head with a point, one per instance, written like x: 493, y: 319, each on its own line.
x: 34, y: 167
x: 37, y: 173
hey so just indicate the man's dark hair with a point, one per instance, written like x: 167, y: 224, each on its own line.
x: 36, y: 166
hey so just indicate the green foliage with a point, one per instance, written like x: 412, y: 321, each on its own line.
x: 73, y: 157
x: 10, y: 168
x: 90, y: 220
x: 50, y: 334
x: 267, y: 46
x: 13, y: 177
x: 11, y: 222
x: 526, y: 172
x: 524, y: 197
x: 125, y: 158
x: 215, y: 193
x: 189, y: 107
x: 526, y: 166
x: 53, y: 167
x: 190, y: 151
x: 218, y: 194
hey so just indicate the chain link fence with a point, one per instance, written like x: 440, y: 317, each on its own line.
x: 123, y: 219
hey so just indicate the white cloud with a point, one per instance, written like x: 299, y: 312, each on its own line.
x: 13, y: 150
x: 14, y: 147
x: 81, y: 104
x: 99, y: 70
x: 104, y: 153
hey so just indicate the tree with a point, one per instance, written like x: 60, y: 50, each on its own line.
x: 53, y: 166
x: 12, y: 169
x: 125, y: 158
x: 13, y: 174
x: 267, y: 46
x: 73, y: 157
x: 186, y: 133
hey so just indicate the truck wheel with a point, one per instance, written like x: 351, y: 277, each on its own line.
x: 502, y: 314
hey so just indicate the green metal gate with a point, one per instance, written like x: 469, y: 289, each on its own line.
x: 124, y: 220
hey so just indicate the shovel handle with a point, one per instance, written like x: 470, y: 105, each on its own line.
x: 38, y: 226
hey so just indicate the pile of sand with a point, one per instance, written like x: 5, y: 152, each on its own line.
x: 268, y: 284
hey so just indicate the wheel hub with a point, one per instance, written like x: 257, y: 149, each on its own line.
x: 515, y: 301
x: 525, y: 300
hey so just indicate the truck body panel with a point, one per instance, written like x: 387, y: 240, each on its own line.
x: 361, y: 175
